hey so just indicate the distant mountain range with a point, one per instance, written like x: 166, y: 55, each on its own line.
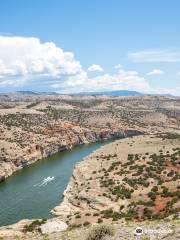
x: 125, y: 93
x: 36, y: 93
x: 103, y: 93
x: 27, y: 92
x: 112, y: 93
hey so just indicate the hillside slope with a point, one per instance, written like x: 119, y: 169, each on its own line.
x: 134, y: 179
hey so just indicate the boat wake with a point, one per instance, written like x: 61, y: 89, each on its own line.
x: 45, y: 181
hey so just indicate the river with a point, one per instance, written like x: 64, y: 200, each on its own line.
x: 34, y: 191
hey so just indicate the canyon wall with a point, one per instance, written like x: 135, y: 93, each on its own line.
x: 53, y: 141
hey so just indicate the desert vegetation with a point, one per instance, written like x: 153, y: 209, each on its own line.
x: 134, y: 179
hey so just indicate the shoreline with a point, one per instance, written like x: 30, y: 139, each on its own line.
x: 52, y: 216
x: 18, y: 227
x: 43, y: 155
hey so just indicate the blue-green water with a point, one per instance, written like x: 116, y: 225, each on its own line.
x: 35, y: 190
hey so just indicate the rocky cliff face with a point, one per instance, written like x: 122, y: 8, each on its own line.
x: 48, y: 141
x: 34, y: 127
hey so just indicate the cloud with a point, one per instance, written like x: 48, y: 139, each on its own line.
x: 27, y: 58
x: 118, y: 66
x: 155, y: 72
x: 95, y: 68
x: 173, y: 91
x: 6, y: 34
x: 155, y: 55
x: 122, y: 80
x: 28, y: 62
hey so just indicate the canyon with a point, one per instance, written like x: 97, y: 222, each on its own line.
x: 33, y: 127
x: 134, y: 179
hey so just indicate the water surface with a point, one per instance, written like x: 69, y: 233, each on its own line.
x: 35, y: 190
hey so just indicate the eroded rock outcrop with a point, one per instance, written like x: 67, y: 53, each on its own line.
x: 48, y: 142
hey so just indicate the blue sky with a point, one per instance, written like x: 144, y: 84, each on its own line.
x: 114, y: 44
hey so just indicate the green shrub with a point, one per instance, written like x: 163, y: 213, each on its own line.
x: 34, y: 225
x: 86, y: 223
x: 96, y: 214
x: 152, y: 195
x: 100, y: 220
x: 99, y: 232
x: 32, y: 104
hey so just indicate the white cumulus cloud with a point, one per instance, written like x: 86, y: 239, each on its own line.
x: 95, y: 68
x: 126, y: 80
x: 155, y: 72
x: 28, y: 57
x: 26, y: 61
